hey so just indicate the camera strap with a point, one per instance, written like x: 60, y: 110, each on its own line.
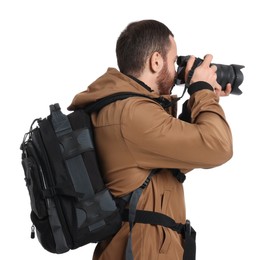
x: 189, y: 77
x: 196, y: 63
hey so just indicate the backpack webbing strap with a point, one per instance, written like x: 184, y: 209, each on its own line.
x: 75, y: 165
x: 156, y: 218
x: 97, y: 105
x: 132, y: 215
x: 132, y: 212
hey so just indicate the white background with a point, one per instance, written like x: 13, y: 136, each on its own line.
x: 50, y: 50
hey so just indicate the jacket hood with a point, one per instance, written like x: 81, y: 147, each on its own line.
x: 109, y: 83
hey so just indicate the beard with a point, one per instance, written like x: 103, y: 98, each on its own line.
x: 165, y: 81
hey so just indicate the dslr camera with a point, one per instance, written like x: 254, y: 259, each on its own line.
x: 225, y: 73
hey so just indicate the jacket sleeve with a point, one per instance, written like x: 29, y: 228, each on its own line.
x: 155, y: 139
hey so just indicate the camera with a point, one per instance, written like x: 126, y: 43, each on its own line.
x: 225, y: 73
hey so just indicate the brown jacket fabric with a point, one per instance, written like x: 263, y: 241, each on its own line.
x: 136, y: 135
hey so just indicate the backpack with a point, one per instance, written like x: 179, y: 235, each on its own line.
x: 70, y: 203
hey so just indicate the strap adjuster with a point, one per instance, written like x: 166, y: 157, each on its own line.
x: 179, y: 175
x: 145, y: 184
x: 188, y: 229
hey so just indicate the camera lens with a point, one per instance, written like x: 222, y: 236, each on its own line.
x: 225, y: 74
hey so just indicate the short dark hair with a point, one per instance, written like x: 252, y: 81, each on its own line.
x: 139, y: 41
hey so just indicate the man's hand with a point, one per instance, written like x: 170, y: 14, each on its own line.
x: 226, y: 92
x: 207, y: 73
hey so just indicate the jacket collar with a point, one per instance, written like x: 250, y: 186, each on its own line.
x: 141, y: 83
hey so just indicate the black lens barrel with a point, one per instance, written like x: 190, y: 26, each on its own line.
x: 225, y: 74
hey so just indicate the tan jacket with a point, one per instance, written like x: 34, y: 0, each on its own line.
x: 136, y: 135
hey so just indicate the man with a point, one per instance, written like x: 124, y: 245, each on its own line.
x: 136, y: 135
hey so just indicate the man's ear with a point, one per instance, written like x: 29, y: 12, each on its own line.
x: 156, y: 62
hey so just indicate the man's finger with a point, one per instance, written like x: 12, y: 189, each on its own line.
x: 190, y: 62
x: 207, y: 60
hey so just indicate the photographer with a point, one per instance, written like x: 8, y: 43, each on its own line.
x: 138, y: 134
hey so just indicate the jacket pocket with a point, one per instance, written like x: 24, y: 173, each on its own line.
x: 166, y: 241
x: 165, y: 234
x: 165, y: 198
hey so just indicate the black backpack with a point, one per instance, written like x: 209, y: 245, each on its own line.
x: 70, y: 204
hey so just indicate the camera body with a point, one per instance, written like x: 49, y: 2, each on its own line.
x: 225, y: 73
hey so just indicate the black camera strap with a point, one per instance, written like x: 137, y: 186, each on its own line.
x: 189, y: 77
x: 196, y: 63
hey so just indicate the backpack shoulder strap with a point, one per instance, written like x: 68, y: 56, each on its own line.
x: 132, y: 210
x: 132, y: 216
x: 97, y: 105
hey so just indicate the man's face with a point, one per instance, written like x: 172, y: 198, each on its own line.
x: 166, y: 77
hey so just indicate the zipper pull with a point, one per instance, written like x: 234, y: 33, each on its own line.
x: 32, y: 232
